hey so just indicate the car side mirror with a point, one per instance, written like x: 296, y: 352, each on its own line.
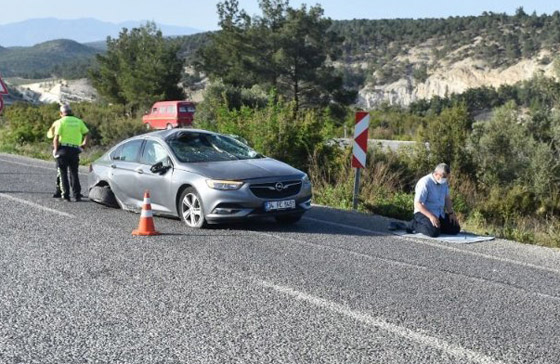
x: 159, y: 168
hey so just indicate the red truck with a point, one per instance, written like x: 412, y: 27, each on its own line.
x: 169, y: 114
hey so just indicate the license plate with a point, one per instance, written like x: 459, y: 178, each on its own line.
x: 279, y: 205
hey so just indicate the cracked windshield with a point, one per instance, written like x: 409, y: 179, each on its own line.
x: 201, y: 147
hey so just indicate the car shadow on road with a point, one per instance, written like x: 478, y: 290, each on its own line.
x: 324, y: 221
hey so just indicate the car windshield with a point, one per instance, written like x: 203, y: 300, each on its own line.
x: 202, y: 147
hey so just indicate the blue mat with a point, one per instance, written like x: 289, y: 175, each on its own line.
x: 461, y: 238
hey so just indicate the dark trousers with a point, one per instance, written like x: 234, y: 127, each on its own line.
x: 68, y: 162
x: 58, y: 190
x: 421, y: 224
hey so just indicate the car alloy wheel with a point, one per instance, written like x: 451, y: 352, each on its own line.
x: 169, y: 127
x: 191, y: 209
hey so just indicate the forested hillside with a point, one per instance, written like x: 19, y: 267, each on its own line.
x: 381, y: 47
x: 62, y: 57
x: 374, y: 52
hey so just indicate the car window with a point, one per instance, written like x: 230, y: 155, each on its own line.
x: 153, y: 153
x: 171, y: 109
x: 116, y: 154
x: 186, y: 108
x: 129, y: 151
x: 154, y: 110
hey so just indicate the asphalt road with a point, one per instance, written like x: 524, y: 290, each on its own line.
x: 76, y: 287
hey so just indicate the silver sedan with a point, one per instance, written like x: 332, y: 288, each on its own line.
x: 200, y: 177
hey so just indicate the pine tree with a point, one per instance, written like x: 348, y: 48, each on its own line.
x: 140, y: 67
x: 285, y: 49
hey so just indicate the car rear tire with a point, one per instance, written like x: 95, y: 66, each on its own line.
x: 191, y: 210
x: 288, y: 219
x: 103, y: 195
x: 148, y: 126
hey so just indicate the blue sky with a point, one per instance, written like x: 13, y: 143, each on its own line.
x: 201, y: 14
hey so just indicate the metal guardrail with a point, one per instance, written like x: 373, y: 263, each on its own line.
x: 385, y: 144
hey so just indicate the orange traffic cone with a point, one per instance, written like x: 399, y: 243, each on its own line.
x: 146, y: 225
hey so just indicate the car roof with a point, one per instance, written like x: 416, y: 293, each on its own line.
x: 164, y: 134
x: 173, y: 102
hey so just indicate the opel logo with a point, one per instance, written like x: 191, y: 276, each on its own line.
x: 279, y: 186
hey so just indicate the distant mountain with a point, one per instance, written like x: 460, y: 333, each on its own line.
x: 100, y: 45
x: 40, y: 59
x: 33, y: 31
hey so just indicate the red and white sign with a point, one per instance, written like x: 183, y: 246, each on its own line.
x: 359, y: 151
x: 3, y: 91
x: 3, y: 88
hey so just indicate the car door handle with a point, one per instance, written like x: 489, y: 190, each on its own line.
x: 113, y: 166
x: 139, y: 170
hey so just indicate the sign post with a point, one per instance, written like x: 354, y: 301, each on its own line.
x: 3, y: 91
x: 359, y: 150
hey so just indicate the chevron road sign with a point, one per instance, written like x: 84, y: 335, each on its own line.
x: 359, y: 150
x: 3, y: 88
x: 3, y: 91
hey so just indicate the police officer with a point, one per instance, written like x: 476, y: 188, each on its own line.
x: 50, y: 135
x: 70, y: 136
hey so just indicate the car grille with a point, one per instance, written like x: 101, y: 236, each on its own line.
x: 275, y: 190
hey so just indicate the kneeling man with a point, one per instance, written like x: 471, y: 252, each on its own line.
x: 433, y: 211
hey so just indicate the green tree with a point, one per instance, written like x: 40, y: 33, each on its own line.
x: 139, y: 68
x: 503, y: 147
x: 447, y: 134
x: 286, y: 49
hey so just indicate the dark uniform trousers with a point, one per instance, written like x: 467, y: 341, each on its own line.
x: 69, y: 161
x: 422, y: 224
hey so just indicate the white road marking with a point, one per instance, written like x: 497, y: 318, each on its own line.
x: 440, y: 246
x: 456, y: 351
x: 412, y: 265
x: 35, y: 166
x: 37, y: 206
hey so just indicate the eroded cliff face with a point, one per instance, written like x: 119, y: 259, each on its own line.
x: 57, y: 90
x: 452, y: 78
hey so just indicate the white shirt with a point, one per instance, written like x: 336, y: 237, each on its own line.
x: 431, y: 194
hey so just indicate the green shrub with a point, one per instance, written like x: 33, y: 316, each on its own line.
x: 504, y: 204
x: 26, y: 124
x: 276, y: 130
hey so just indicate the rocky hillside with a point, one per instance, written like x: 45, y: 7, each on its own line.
x: 402, y: 60
x: 395, y: 61
x: 454, y: 77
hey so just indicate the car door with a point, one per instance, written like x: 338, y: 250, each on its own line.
x: 124, y: 165
x: 158, y: 183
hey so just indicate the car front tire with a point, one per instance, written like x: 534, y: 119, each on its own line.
x: 191, y: 210
x: 103, y: 195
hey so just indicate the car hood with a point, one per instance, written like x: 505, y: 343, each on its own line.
x: 242, y: 169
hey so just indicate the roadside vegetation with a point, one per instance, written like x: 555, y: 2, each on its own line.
x: 505, y: 170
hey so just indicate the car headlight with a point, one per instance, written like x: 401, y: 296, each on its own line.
x: 305, y: 179
x: 224, y: 185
